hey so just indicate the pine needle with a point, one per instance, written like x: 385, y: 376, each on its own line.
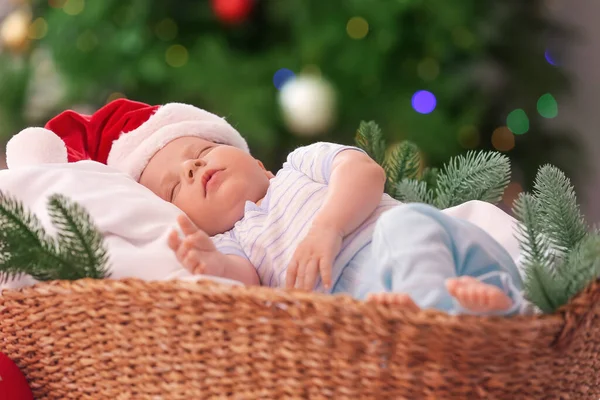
x: 24, y: 246
x: 582, y: 266
x: 430, y: 176
x: 78, y: 239
x: 476, y: 176
x: 370, y: 138
x: 535, y: 247
x: 561, y: 218
x: 404, y: 162
x: 543, y: 289
x: 413, y: 191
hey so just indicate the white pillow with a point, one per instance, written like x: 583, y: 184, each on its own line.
x: 134, y: 221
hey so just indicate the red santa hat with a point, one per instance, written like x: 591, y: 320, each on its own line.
x: 123, y: 134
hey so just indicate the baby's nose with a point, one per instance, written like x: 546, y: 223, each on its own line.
x: 192, y: 166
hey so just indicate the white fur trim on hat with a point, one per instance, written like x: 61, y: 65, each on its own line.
x: 35, y: 146
x: 133, y: 150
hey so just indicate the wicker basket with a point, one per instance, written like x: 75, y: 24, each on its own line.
x: 178, y: 340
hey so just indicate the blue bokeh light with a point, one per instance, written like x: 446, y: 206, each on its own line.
x: 282, y: 76
x: 424, y: 102
x: 550, y: 58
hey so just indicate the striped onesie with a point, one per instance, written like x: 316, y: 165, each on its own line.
x: 268, y: 234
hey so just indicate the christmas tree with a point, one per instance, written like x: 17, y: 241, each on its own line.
x: 449, y: 76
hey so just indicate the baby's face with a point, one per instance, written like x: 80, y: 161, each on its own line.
x: 209, y: 182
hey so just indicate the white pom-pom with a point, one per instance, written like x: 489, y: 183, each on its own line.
x: 34, y: 146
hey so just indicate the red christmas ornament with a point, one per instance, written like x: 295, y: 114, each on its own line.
x: 232, y: 11
x: 13, y: 384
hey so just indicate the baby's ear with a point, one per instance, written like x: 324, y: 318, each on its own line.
x: 268, y: 173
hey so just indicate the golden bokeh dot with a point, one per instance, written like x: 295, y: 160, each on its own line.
x: 87, y: 41
x: 57, y: 3
x: 38, y: 29
x: 428, y: 69
x: 166, y: 29
x: 14, y: 30
x: 357, y: 27
x: 503, y: 139
x: 74, y: 7
x: 114, y: 96
x: 468, y: 137
x: 511, y: 193
x: 176, y: 56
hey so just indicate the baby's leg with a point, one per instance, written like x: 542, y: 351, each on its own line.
x: 419, y: 251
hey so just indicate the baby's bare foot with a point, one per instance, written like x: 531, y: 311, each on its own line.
x: 394, y: 299
x: 477, y: 296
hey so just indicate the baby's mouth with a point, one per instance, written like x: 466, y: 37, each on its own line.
x: 207, y: 177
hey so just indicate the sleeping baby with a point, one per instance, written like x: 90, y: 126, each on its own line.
x: 321, y: 223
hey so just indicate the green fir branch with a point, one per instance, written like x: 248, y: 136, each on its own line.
x: 370, y: 138
x: 535, y: 247
x: 542, y: 289
x: 561, y: 218
x: 537, y: 256
x: 404, y: 162
x: 25, y: 247
x: 413, y: 191
x: 78, y: 239
x: 476, y: 176
x: 430, y: 176
x: 581, y: 266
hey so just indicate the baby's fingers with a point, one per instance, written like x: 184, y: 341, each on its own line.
x: 174, y: 241
x: 311, y: 274
x: 325, y: 266
x: 182, y: 251
x: 186, y: 225
x: 292, y: 272
x: 192, y: 263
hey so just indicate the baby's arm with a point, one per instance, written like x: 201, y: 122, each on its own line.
x: 356, y: 185
x: 355, y: 188
x: 198, y: 254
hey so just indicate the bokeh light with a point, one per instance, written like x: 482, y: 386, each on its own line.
x: 74, y: 7
x: 503, y: 139
x: 282, y: 76
x: 547, y: 106
x: 511, y: 193
x: 518, y: 122
x: 357, y: 27
x: 166, y: 29
x: 468, y: 137
x: 176, y: 56
x: 424, y: 102
x: 428, y: 69
x: 549, y: 58
x: 38, y: 28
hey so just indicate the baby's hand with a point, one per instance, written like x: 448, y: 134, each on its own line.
x: 196, y: 251
x: 314, y: 254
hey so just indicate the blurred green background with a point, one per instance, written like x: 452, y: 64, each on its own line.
x: 449, y: 75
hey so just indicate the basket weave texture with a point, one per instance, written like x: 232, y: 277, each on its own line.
x: 132, y: 339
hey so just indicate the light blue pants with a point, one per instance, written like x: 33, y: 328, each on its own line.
x: 416, y: 248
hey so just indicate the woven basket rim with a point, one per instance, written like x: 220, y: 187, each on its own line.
x: 266, y: 294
